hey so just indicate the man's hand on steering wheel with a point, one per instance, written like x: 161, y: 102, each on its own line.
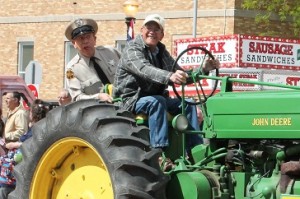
x: 179, y: 77
x: 206, y: 66
x: 210, y: 64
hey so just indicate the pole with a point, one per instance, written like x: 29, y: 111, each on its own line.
x: 33, y: 73
x: 195, y: 18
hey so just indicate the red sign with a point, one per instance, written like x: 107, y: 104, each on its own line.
x: 269, y: 52
x: 34, y: 90
x: 223, y: 48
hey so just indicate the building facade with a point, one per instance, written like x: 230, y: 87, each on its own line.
x: 34, y: 30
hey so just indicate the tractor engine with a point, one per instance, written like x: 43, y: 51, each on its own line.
x: 272, y: 166
x: 259, y: 133
x: 253, y: 148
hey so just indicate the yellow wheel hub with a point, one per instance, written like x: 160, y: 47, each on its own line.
x: 71, y: 169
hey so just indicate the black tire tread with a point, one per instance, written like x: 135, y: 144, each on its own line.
x: 110, y: 130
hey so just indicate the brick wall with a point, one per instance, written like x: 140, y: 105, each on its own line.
x: 44, y: 23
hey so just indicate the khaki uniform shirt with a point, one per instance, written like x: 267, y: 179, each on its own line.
x: 82, y: 79
x: 16, y: 124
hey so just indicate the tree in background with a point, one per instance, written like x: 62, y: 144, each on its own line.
x: 286, y: 10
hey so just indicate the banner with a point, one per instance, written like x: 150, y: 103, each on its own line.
x: 244, y: 51
x: 256, y: 58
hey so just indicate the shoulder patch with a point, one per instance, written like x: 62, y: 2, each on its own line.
x: 70, y: 74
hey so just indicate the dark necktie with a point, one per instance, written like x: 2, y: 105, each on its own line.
x: 100, y: 72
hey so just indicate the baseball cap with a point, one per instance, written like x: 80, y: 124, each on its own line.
x: 156, y: 18
x: 79, y: 27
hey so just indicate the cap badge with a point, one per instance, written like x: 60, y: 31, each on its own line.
x: 78, y: 22
x: 157, y: 18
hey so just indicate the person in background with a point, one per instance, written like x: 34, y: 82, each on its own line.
x: 92, y: 67
x: 2, y: 127
x: 2, y: 142
x: 142, y: 77
x: 3, y: 118
x: 1, y: 124
x: 200, y: 117
x: 17, y: 118
x: 38, y: 111
x: 64, y: 97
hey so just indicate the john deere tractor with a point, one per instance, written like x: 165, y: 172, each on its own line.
x: 95, y: 150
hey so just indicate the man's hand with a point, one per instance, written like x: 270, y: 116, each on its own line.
x: 105, y: 97
x: 13, y: 145
x: 199, y: 115
x: 211, y: 64
x: 179, y: 77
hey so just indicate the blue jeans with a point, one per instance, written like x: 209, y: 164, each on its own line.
x: 156, y: 107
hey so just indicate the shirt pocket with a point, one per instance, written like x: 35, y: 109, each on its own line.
x: 91, y: 87
x: 111, y: 66
x: 89, y: 82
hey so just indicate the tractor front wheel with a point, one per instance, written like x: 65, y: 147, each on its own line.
x: 89, y: 150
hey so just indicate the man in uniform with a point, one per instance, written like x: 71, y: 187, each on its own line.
x: 92, y: 67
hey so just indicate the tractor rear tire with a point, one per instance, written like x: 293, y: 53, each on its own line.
x: 88, y: 150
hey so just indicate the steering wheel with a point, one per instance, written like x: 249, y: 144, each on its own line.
x: 193, y: 75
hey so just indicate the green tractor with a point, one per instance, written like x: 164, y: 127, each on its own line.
x: 94, y: 150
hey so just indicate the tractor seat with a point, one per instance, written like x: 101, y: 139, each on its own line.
x: 140, y: 118
x: 143, y: 118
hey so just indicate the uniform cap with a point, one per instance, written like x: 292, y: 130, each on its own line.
x: 79, y: 27
x: 156, y: 18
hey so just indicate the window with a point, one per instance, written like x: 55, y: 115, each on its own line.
x: 25, y: 56
x: 120, y: 44
x: 70, y: 52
